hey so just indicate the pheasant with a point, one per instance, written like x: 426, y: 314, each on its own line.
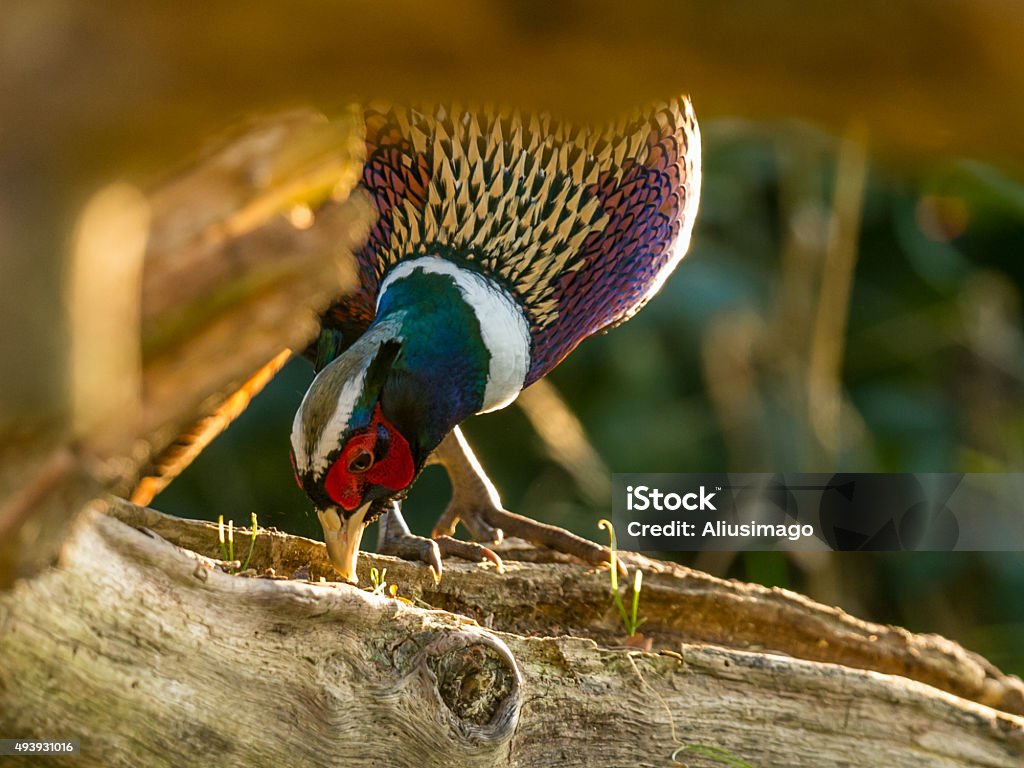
x: 502, y: 241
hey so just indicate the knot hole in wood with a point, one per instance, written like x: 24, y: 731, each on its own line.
x: 479, y: 682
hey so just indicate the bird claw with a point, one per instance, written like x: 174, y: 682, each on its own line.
x: 484, y: 521
x: 468, y: 550
x: 475, y: 503
x: 473, y: 520
x: 409, y: 546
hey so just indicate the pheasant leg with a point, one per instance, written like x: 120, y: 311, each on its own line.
x: 395, y: 538
x: 475, y: 502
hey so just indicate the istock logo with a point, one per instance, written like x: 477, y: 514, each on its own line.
x: 643, y: 498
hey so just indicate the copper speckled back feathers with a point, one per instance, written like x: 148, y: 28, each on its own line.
x: 581, y: 225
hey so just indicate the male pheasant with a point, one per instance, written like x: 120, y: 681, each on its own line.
x: 502, y: 241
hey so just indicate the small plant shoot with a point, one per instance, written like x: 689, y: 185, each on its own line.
x: 226, y: 538
x: 719, y: 755
x: 630, y: 619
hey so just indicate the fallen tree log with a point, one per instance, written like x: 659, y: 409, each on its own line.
x: 150, y: 654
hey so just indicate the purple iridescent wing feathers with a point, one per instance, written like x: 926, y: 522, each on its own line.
x: 582, y: 226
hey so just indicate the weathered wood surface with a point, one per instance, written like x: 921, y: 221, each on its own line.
x: 680, y: 604
x: 150, y: 655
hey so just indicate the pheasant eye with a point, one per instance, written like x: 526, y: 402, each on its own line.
x: 361, y: 462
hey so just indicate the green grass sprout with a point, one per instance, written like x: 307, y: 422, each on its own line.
x: 630, y: 619
x: 381, y: 587
x: 377, y: 579
x: 719, y: 755
x: 222, y: 539
x: 252, y: 542
x: 226, y: 538
x: 638, y: 579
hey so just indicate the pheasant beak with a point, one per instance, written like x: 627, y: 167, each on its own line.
x: 342, y: 537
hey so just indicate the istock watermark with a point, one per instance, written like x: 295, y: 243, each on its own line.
x: 843, y: 511
x: 642, y: 498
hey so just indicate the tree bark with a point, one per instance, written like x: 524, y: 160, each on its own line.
x: 151, y: 654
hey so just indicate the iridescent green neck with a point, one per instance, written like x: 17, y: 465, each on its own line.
x: 439, y: 377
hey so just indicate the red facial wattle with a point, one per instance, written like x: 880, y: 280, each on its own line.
x: 343, y: 486
x: 392, y: 465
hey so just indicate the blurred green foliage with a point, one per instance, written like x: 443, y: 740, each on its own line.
x: 713, y: 375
